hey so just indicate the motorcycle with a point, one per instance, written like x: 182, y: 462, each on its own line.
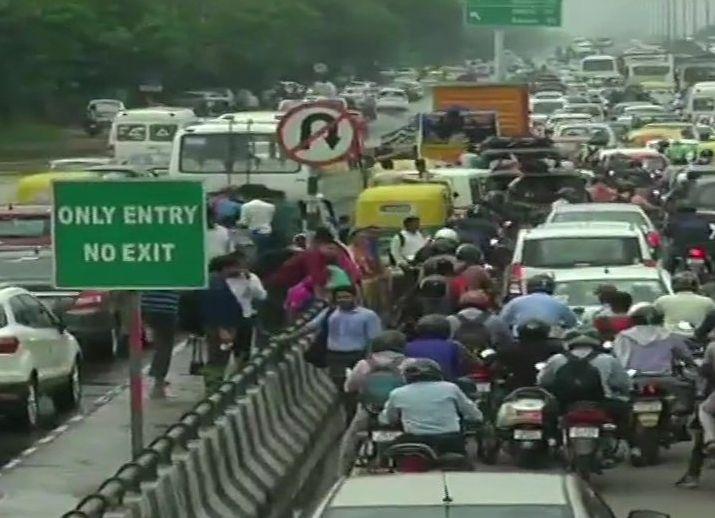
x: 660, y: 416
x: 374, y: 442
x: 589, y: 437
x: 697, y: 260
x: 523, y: 426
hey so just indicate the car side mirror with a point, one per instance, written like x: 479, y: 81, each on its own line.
x: 647, y: 514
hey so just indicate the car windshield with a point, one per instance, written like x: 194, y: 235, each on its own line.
x: 24, y: 227
x: 634, y: 218
x: 564, y: 252
x: 453, y: 511
x: 547, y: 107
x: 257, y: 153
x: 704, y: 104
x: 599, y: 65
x: 582, y: 292
x: 651, y: 70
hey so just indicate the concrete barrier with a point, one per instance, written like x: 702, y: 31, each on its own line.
x: 246, y: 451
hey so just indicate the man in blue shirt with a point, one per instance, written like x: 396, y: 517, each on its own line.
x: 349, y: 330
x: 539, y: 304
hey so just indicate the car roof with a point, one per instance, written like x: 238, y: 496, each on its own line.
x: 582, y: 229
x: 598, y: 207
x: 472, y: 488
x: 597, y: 273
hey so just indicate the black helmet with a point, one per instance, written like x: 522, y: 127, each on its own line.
x: 433, y: 326
x: 422, y: 369
x: 534, y: 330
x: 433, y: 286
x: 389, y: 340
x: 685, y: 281
x: 470, y: 254
x: 543, y: 283
x: 439, y: 265
x: 646, y: 315
x: 442, y: 246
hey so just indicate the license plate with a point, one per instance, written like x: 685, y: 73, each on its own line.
x: 380, y: 436
x: 527, y: 435
x: 484, y: 388
x: 696, y: 261
x: 583, y: 433
x: 647, y: 406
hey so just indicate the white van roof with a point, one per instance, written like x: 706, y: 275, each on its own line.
x: 155, y: 112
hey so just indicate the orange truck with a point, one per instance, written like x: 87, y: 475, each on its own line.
x: 510, y: 102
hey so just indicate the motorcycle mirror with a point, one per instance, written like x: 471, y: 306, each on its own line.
x: 540, y: 366
x: 494, y: 242
x: 608, y: 345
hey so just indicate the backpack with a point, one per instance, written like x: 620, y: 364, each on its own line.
x: 578, y: 380
x: 473, y: 333
x: 382, y: 380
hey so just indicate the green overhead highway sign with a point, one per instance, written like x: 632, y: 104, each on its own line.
x: 131, y: 234
x: 509, y: 13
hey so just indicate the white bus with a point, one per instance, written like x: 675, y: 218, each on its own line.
x: 244, y: 150
x: 144, y: 137
x: 701, y: 100
x: 599, y: 66
x: 650, y: 68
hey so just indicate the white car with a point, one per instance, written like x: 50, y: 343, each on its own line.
x: 542, y: 109
x: 603, y: 213
x: 37, y: 356
x: 392, y: 99
x: 585, y: 132
x: 571, y: 118
x: 547, y: 95
x: 562, y: 246
x: 577, y: 287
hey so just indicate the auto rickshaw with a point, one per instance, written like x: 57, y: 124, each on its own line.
x: 37, y: 188
x: 660, y: 131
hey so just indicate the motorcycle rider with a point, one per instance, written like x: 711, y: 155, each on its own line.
x: 475, y: 323
x: 608, y: 326
x: 372, y: 379
x: 686, y: 305
x: 539, y: 304
x: 534, y: 346
x: 684, y: 230
x: 477, y: 227
x: 648, y: 346
x: 612, y: 393
x: 429, y: 408
x: 432, y: 340
x: 407, y: 242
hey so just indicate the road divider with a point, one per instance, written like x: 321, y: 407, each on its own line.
x: 244, y: 451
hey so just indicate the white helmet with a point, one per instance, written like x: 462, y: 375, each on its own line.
x: 447, y: 233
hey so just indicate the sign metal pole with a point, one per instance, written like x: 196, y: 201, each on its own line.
x: 136, y: 388
x: 499, y: 54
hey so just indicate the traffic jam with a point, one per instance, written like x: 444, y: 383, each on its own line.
x: 517, y: 260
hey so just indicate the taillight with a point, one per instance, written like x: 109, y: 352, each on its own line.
x: 481, y: 374
x: 697, y: 253
x: 654, y: 239
x: 587, y: 416
x: 9, y: 344
x: 516, y: 281
x: 88, y: 301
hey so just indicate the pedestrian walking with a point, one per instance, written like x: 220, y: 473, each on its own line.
x: 228, y: 313
x: 257, y: 217
x: 160, y: 310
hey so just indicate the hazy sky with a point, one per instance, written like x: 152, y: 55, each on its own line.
x: 623, y: 17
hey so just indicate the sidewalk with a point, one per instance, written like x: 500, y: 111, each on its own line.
x: 50, y: 482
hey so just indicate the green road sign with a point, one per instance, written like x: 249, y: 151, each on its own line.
x: 505, y: 13
x: 130, y: 234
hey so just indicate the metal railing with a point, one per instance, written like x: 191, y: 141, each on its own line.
x: 144, y: 467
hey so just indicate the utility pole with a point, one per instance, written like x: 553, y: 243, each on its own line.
x: 707, y: 12
x: 668, y: 20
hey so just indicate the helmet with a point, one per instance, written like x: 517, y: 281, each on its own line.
x: 534, y: 330
x: 389, y: 340
x: 685, y: 281
x: 470, y: 254
x: 442, y: 246
x: 433, y: 326
x: 422, y: 369
x: 581, y: 338
x: 433, y: 286
x: 438, y: 265
x: 541, y: 283
x: 475, y: 299
x: 646, y: 315
x: 447, y: 233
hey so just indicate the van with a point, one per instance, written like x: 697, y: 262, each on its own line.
x: 145, y: 136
